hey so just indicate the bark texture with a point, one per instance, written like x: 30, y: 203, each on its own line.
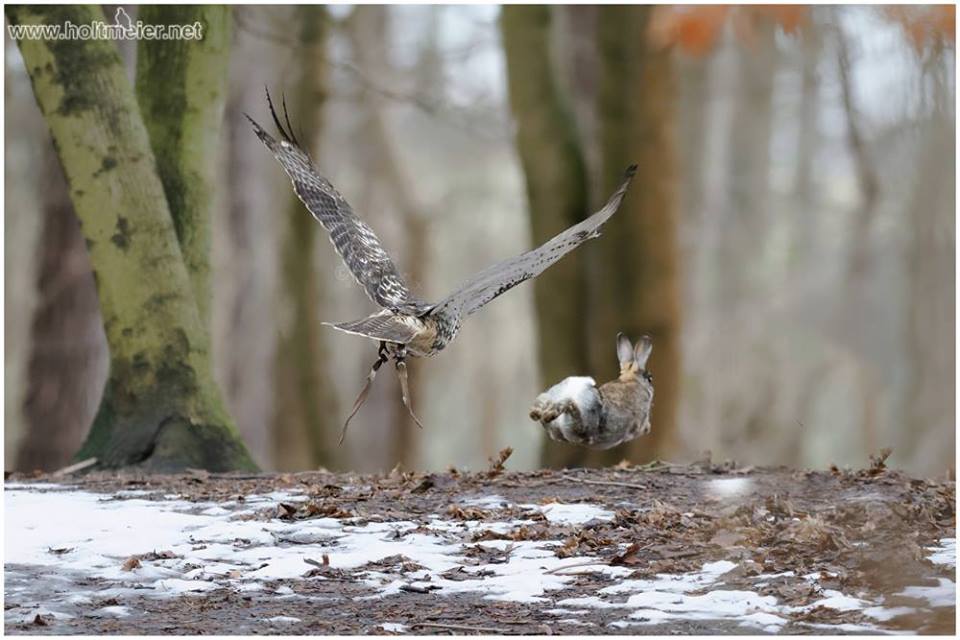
x: 181, y: 89
x: 161, y: 409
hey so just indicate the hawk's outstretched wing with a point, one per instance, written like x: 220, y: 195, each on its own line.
x: 503, y: 276
x: 353, y: 239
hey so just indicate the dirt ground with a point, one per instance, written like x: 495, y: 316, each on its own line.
x: 863, y: 532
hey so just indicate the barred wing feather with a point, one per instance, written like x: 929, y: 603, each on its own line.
x: 353, y: 239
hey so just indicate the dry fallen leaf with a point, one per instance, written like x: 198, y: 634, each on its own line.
x: 496, y: 464
x: 628, y: 557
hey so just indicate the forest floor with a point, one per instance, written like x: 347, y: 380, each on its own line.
x: 704, y: 549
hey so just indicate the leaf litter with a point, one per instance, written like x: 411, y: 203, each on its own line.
x: 700, y: 549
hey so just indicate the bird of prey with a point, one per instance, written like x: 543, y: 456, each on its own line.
x: 406, y: 325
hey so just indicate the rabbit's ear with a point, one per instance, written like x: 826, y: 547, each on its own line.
x: 642, y: 352
x: 624, y: 350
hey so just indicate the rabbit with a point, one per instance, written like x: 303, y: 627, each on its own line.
x: 575, y: 410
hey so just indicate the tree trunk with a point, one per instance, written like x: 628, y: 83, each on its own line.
x: 636, y: 287
x: 68, y: 351
x: 305, y: 405
x: 181, y: 89
x: 556, y: 180
x: 161, y: 409
x: 862, y: 226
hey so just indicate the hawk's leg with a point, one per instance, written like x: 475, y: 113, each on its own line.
x: 400, y: 356
x: 381, y: 358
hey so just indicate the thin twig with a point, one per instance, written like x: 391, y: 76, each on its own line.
x: 461, y: 627
x: 73, y: 468
x: 607, y: 483
x: 586, y: 563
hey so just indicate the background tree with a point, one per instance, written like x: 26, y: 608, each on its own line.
x: 636, y: 286
x: 68, y: 351
x: 556, y: 183
x: 305, y: 410
x: 160, y: 409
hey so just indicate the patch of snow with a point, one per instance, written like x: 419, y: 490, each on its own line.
x: 31, y: 486
x: 945, y: 553
x: 576, y: 513
x: 114, y: 611
x: 836, y: 600
x: 393, y: 627
x: 28, y: 614
x: 285, y: 619
x: 883, y: 613
x: 674, y: 583
x: 564, y: 612
x: 488, y: 502
x: 942, y: 595
x: 726, y: 488
x: 206, y: 548
x: 131, y: 493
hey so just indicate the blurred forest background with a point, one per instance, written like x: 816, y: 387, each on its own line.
x: 789, y: 242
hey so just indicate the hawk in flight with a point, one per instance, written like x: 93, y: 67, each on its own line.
x: 406, y: 325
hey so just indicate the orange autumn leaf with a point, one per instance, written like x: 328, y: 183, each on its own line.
x: 694, y: 29
x: 926, y: 25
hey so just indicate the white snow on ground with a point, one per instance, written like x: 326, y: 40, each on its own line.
x: 944, y: 553
x: 726, y: 488
x: 488, y: 502
x: 942, y: 595
x: 572, y: 513
x: 66, y: 535
x: 686, y: 596
x: 555, y: 512
x: 393, y: 627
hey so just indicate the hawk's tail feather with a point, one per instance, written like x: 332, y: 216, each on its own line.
x: 383, y: 325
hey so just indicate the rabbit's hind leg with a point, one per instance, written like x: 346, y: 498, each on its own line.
x: 544, y: 410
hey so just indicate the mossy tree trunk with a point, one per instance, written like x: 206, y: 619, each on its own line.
x: 304, y: 400
x: 161, y: 409
x: 636, y: 285
x: 181, y: 89
x: 556, y: 180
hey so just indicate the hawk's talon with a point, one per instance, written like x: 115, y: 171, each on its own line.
x: 381, y: 358
x: 404, y: 390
